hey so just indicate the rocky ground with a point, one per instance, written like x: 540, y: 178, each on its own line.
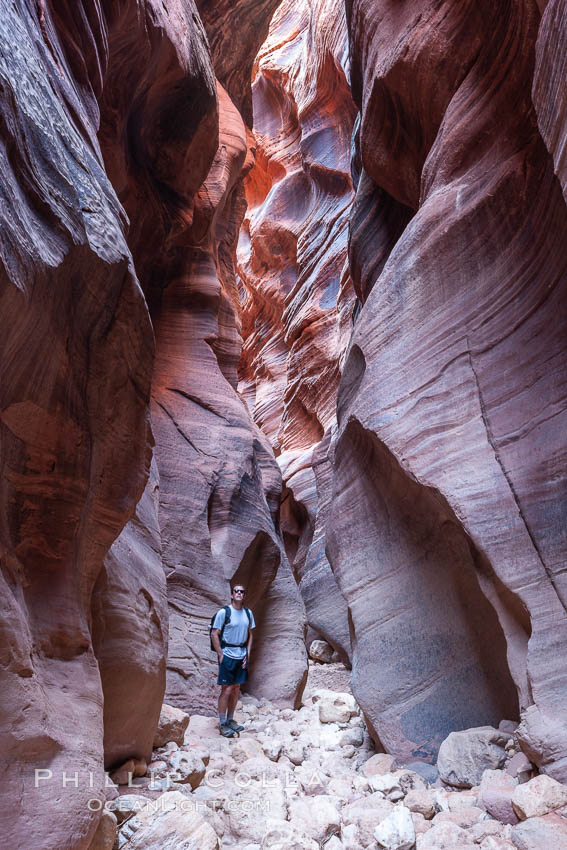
x: 308, y: 779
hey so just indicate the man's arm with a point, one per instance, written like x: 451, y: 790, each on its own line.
x: 215, y: 637
x: 248, y: 648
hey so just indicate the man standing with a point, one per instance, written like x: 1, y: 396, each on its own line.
x: 232, y: 641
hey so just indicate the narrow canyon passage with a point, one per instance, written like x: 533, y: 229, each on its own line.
x: 284, y: 301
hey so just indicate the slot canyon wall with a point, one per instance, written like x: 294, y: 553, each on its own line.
x: 122, y: 166
x: 437, y: 506
x: 450, y: 458
x: 297, y: 294
x: 283, y: 290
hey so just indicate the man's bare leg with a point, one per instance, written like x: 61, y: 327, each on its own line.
x: 233, y: 699
x: 224, y: 697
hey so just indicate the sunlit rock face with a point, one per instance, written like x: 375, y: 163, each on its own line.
x: 549, y: 90
x: 446, y: 531
x: 296, y: 290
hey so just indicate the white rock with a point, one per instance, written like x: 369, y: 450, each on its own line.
x: 388, y: 785
x: 295, y: 751
x: 168, y: 823
x: 171, y: 726
x: 272, y: 748
x: 321, y: 651
x: 312, y: 779
x: 336, y: 707
x: 492, y: 842
x: 283, y: 836
x: 317, y: 817
x: 538, y: 797
x: 353, y: 736
x: 396, y: 832
x: 350, y: 838
x: 187, y: 767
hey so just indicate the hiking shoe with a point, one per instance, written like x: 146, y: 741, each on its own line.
x: 236, y: 727
x: 226, y: 731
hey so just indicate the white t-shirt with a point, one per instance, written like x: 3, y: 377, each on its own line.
x: 236, y: 631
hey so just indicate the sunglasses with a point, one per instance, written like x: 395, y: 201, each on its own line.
x: 243, y: 592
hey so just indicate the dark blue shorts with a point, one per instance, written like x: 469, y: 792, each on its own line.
x: 231, y: 671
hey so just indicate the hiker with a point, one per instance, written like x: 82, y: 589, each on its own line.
x: 231, y: 637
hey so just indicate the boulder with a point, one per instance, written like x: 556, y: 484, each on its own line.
x: 464, y: 756
x: 444, y: 836
x: 246, y: 748
x: 131, y: 769
x: 495, y: 795
x: 187, y: 768
x: 379, y: 764
x: 427, y: 771
x: 520, y: 767
x: 283, y: 835
x: 388, y: 785
x: 126, y: 805
x: 540, y: 796
x: 353, y: 736
x: 541, y: 833
x: 171, y: 726
x: 396, y: 832
x: 485, y: 829
x: 321, y: 651
x: 337, y: 708
x: 464, y: 817
x: 495, y: 842
x: 105, y: 834
x: 422, y: 802
x: 317, y: 818
x: 169, y: 823
x: 364, y: 815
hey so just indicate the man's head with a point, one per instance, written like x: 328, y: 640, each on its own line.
x: 237, y: 593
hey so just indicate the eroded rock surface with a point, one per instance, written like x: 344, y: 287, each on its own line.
x: 445, y: 531
x: 297, y: 292
x: 75, y: 448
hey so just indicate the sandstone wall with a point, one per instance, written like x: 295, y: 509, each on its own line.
x: 446, y: 531
x: 296, y: 290
x: 75, y: 447
x: 110, y: 126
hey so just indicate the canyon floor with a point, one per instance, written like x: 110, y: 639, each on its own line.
x: 308, y: 779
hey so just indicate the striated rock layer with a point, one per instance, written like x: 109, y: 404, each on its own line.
x: 75, y: 445
x: 219, y: 483
x: 108, y: 108
x: 297, y: 294
x: 446, y: 531
x: 182, y: 187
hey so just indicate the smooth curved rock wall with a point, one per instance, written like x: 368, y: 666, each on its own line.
x: 297, y: 294
x: 452, y: 398
x: 75, y: 444
x: 182, y: 187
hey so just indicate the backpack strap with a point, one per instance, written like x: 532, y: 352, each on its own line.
x: 226, y: 622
